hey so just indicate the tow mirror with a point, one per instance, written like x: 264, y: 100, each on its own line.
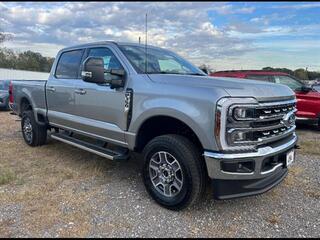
x: 115, y: 77
x: 93, y: 70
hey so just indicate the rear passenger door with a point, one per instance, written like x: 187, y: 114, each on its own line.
x: 60, y: 89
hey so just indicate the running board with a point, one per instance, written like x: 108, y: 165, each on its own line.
x: 103, y: 152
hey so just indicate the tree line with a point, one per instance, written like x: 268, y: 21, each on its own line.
x: 33, y: 61
x: 27, y: 60
x: 300, y: 73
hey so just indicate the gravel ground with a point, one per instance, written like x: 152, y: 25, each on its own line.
x: 60, y: 191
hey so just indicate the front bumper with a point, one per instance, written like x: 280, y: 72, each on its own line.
x: 228, y: 184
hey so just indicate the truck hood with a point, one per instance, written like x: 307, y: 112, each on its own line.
x: 235, y: 87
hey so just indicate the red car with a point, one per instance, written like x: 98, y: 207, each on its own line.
x: 308, y: 99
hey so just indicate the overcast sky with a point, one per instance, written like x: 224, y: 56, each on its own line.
x: 225, y: 35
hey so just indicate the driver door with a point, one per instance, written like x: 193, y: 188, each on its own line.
x: 101, y: 109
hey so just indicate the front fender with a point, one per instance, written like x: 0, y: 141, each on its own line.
x: 194, y: 114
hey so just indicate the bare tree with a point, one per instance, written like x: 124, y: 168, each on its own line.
x: 4, y: 36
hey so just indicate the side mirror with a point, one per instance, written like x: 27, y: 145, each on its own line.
x: 115, y: 77
x: 93, y: 70
x: 305, y: 89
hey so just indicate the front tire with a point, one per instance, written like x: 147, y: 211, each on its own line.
x: 33, y: 133
x: 173, y: 172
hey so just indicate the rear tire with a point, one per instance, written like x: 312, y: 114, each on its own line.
x: 33, y: 133
x: 174, y: 173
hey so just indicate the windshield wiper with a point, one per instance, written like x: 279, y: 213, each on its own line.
x: 196, y: 74
x: 164, y: 73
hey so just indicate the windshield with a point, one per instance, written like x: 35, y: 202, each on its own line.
x: 158, y: 60
x: 292, y: 83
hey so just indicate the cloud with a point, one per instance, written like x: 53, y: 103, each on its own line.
x: 182, y: 27
x: 298, y: 6
x: 221, y: 34
x: 229, y: 9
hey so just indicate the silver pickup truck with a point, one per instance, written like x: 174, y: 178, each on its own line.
x: 114, y: 98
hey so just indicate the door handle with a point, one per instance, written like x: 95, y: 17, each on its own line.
x: 80, y: 91
x: 51, y: 89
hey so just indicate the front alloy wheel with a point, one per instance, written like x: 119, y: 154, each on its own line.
x: 174, y: 173
x: 166, y: 174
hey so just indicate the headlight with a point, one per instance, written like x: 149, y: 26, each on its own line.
x: 243, y: 113
x: 230, y: 119
x: 237, y: 137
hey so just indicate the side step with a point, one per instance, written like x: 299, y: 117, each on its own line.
x: 103, y: 152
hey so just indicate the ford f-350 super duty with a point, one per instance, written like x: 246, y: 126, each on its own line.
x: 114, y: 98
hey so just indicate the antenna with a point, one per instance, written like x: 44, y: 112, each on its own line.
x: 146, y: 42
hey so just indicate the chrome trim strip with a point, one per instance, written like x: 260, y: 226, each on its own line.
x: 262, y: 152
x: 83, y: 147
x: 272, y: 169
x: 235, y: 173
x: 257, y: 129
x: 305, y: 118
x: 268, y: 104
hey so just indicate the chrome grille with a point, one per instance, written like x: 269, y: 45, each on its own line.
x: 269, y: 122
x: 273, y: 112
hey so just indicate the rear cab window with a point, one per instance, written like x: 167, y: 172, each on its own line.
x: 68, y: 66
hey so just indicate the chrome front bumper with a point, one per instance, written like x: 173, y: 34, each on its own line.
x: 213, y: 162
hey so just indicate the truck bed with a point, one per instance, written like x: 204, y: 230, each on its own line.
x: 33, y: 90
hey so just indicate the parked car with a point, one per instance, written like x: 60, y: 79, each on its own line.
x: 316, y: 87
x: 308, y: 99
x: 4, y: 94
x: 187, y: 125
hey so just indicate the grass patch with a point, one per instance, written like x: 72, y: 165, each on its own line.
x: 6, y: 176
x: 273, y: 219
x: 309, y: 147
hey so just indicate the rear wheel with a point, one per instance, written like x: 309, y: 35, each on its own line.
x: 173, y: 172
x: 34, y: 134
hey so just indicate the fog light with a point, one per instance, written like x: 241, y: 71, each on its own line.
x: 238, y: 167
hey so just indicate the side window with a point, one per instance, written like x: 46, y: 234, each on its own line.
x: 69, y: 64
x: 109, y: 59
x: 288, y: 81
x: 259, y: 77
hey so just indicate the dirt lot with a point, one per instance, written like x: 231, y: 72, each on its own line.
x: 60, y: 191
